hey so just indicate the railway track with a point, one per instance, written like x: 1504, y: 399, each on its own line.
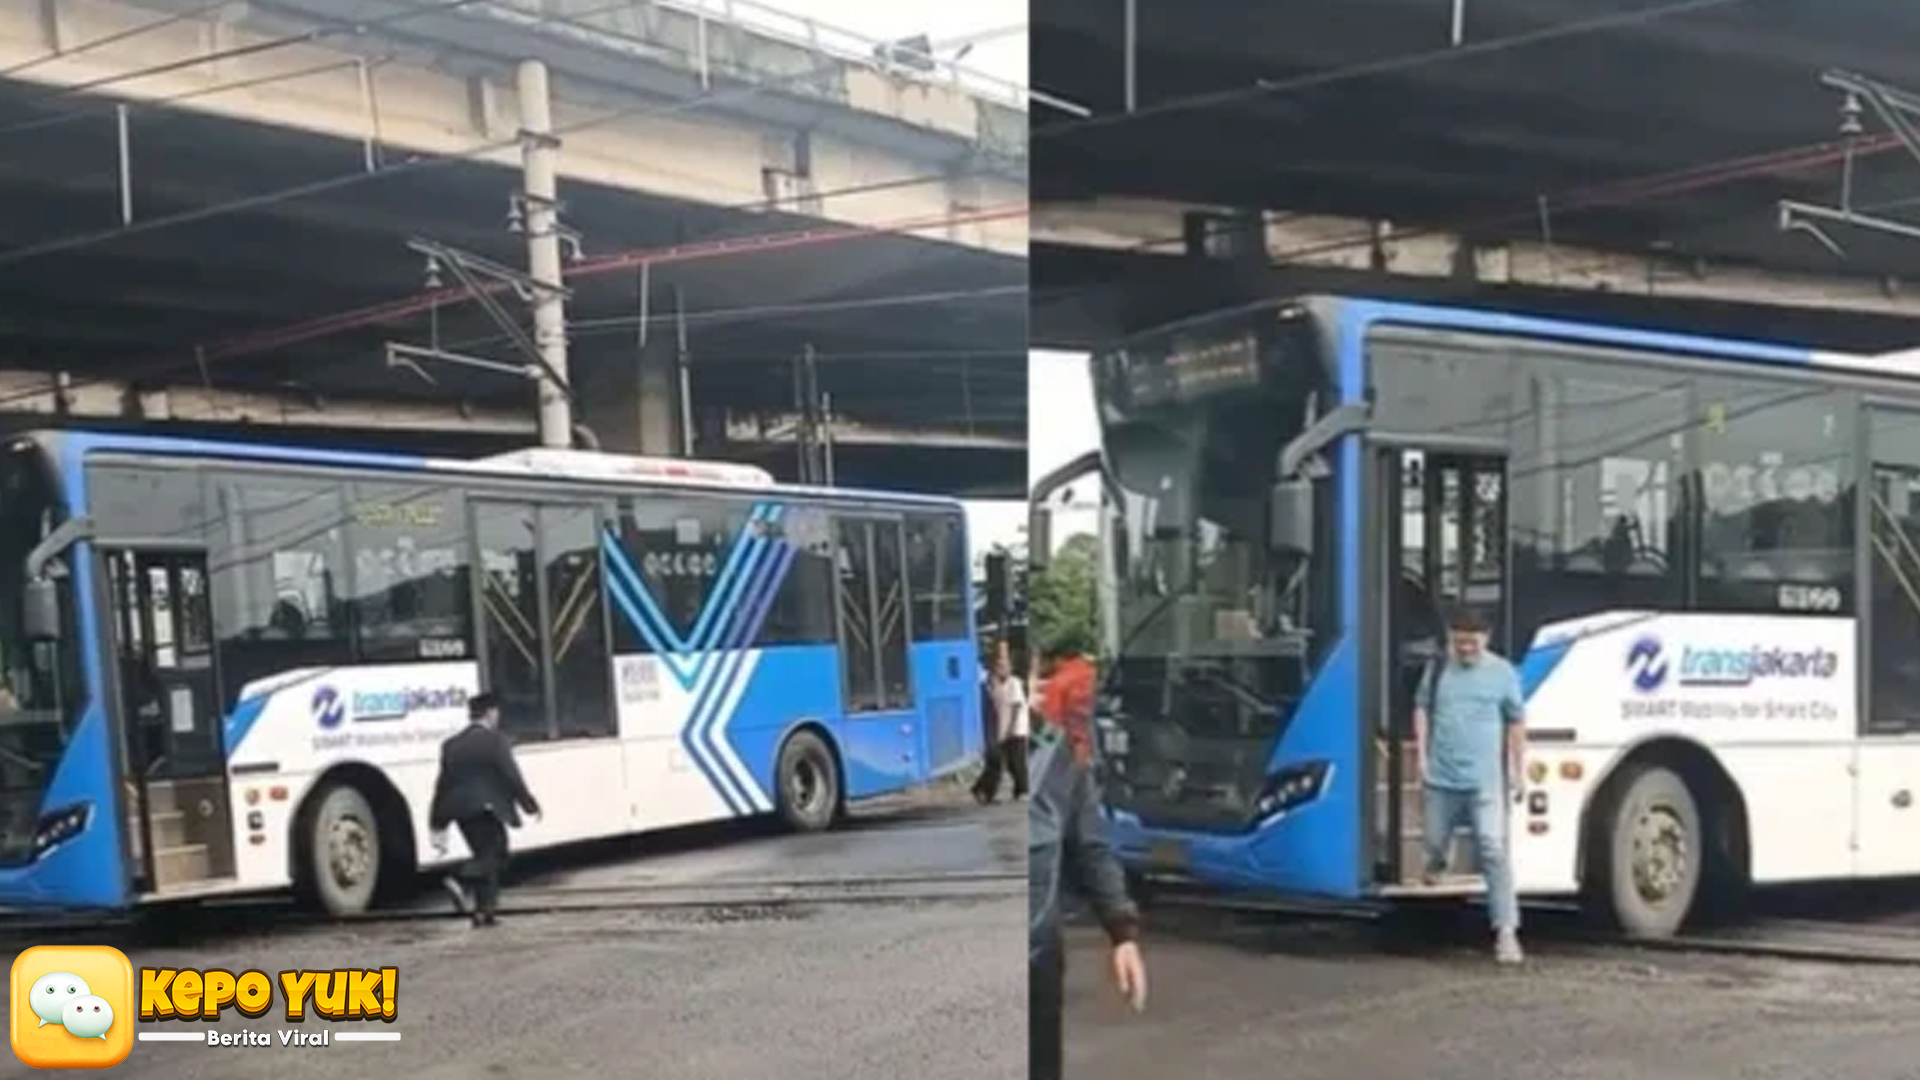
x: 1867, y: 942
x: 535, y: 899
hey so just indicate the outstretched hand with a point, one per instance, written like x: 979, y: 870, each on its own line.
x: 1130, y: 974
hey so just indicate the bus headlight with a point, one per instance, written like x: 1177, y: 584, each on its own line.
x: 60, y: 826
x: 1291, y: 787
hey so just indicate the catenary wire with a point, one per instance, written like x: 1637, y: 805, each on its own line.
x: 1383, y: 66
x: 218, y: 353
x: 114, y: 38
x: 413, y: 165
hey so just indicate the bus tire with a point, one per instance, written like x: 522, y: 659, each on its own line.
x: 342, y: 851
x: 1649, y: 856
x: 807, y: 779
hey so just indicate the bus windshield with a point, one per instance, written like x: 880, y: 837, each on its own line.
x: 1216, y: 631
x: 37, y: 703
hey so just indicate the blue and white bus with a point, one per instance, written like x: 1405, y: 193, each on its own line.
x: 227, y: 668
x: 1703, y: 554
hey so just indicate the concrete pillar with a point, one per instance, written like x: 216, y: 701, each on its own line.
x: 658, y: 386
x: 630, y: 397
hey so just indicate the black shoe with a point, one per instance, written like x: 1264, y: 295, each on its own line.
x: 485, y: 920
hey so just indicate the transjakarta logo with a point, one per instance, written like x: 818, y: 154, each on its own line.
x: 330, y: 708
x: 1648, y: 665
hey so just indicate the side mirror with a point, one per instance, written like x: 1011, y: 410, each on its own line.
x: 1039, y: 538
x: 1290, y: 527
x: 40, y: 611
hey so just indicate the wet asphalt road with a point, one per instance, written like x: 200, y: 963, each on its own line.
x: 927, y: 991
x: 1231, y: 1000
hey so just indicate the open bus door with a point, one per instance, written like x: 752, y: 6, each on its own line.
x: 1443, y: 544
x: 180, y: 824
x: 1068, y: 503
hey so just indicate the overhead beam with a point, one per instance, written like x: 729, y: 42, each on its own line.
x: 33, y: 393
x: 1378, y: 246
x: 783, y: 429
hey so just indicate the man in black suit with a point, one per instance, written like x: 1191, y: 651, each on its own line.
x: 480, y: 790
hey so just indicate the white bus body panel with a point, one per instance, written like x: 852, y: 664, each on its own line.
x: 393, y: 719
x: 1773, y: 699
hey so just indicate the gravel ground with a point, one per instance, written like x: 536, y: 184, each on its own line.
x: 1308, y: 1003
x: 926, y: 991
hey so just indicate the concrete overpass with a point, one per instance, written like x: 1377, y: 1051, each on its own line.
x: 213, y: 204
x: 1607, y: 158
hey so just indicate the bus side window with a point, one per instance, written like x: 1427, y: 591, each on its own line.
x: 409, y: 591
x: 802, y: 612
x: 937, y: 575
x: 278, y: 566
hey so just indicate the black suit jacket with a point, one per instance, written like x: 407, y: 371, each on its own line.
x: 478, y: 776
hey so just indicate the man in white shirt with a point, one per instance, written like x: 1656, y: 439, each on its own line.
x: 1006, y: 699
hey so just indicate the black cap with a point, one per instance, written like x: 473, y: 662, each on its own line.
x: 480, y: 705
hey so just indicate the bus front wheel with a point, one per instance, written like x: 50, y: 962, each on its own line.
x: 1649, y: 853
x: 342, y: 848
x: 809, y: 783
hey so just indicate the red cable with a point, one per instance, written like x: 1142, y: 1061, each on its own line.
x: 605, y: 264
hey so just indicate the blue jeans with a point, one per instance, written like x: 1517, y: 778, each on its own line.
x: 1486, y: 814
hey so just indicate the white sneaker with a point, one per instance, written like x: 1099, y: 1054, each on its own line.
x: 462, y: 902
x: 1506, y: 948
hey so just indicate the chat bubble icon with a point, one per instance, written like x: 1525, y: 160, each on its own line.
x: 88, y: 1017
x: 52, y: 993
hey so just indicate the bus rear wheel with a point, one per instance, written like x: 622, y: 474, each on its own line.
x: 1648, y: 855
x: 342, y: 849
x: 808, y: 780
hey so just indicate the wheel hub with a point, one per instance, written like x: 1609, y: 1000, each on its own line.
x: 805, y: 789
x: 1659, y: 854
x: 349, y: 851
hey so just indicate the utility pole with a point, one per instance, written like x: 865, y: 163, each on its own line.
x: 539, y: 154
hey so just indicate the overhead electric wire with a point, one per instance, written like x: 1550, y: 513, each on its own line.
x: 331, y: 29
x: 413, y: 165
x: 221, y: 352
x: 1627, y: 192
x: 112, y: 39
x: 1383, y: 66
x: 142, y: 105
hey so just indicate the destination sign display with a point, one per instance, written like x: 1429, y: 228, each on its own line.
x: 1188, y: 370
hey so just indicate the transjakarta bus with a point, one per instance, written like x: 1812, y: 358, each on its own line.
x: 1703, y: 555
x: 227, y: 668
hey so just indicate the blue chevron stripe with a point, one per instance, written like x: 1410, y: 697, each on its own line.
x: 708, y: 717
x: 685, y: 661
x: 667, y: 638
x: 708, y: 660
x: 710, y: 724
x: 712, y: 693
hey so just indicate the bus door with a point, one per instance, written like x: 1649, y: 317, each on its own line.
x: 876, y: 677
x: 1443, y: 544
x: 167, y: 690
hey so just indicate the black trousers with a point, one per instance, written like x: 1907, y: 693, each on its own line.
x: 486, y: 837
x: 1046, y: 991
x: 1009, y: 756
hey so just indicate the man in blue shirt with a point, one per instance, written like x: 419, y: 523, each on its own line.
x: 1469, y: 730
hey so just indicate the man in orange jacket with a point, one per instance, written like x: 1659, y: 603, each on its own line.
x: 1068, y: 849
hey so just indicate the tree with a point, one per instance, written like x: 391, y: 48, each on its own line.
x: 1063, y: 613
